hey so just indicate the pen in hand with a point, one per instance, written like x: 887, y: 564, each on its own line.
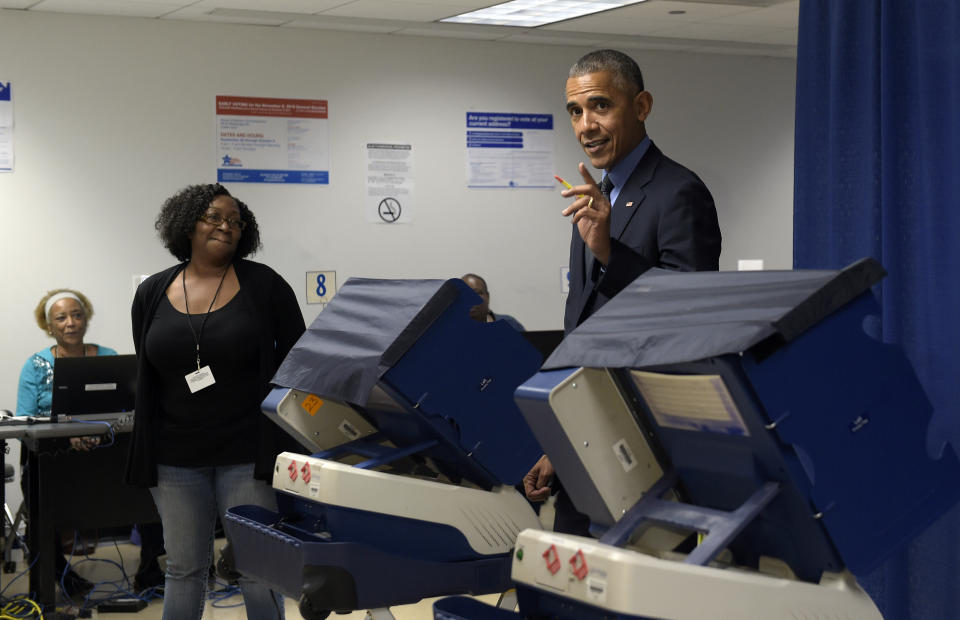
x: 565, y: 184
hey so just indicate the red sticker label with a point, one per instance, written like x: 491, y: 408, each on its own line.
x: 553, y: 559
x: 579, y: 564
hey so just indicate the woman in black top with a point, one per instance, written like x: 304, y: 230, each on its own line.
x: 209, y: 332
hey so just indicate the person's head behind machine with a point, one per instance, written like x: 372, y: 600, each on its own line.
x: 607, y: 105
x: 479, y: 286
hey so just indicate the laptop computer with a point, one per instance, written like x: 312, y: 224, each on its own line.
x: 93, y: 388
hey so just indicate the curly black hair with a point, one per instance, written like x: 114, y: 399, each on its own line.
x: 180, y: 212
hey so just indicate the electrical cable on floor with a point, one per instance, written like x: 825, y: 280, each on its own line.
x: 223, y: 592
x: 25, y: 571
x: 119, y: 587
x: 20, y: 608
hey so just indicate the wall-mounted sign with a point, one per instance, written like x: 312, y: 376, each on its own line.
x: 509, y: 149
x: 6, y: 127
x: 321, y: 286
x: 265, y: 140
x: 389, y: 187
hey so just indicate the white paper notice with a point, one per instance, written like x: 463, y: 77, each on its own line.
x: 690, y: 402
x: 264, y: 140
x: 389, y: 198
x: 6, y: 127
x: 509, y: 150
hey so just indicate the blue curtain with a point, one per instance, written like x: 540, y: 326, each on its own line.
x: 878, y: 174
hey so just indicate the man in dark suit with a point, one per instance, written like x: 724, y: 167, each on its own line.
x: 648, y: 211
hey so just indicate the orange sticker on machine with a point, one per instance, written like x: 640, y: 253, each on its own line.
x: 311, y: 404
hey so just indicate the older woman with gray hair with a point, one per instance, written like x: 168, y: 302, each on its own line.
x: 64, y: 315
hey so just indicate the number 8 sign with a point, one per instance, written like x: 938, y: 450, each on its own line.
x: 321, y: 286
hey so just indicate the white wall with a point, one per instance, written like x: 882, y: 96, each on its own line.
x: 114, y: 114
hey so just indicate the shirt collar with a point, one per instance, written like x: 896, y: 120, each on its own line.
x: 624, y: 168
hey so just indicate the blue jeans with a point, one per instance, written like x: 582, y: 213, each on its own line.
x: 189, y: 500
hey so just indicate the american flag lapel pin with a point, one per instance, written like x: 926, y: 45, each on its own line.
x: 630, y: 204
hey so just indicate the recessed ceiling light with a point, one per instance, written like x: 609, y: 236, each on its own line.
x: 530, y: 13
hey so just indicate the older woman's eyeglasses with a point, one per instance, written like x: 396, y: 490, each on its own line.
x: 215, y: 219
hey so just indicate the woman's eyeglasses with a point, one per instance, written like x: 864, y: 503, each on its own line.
x: 215, y: 219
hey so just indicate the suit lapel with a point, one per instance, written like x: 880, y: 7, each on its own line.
x: 633, y: 192
x: 579, y: 271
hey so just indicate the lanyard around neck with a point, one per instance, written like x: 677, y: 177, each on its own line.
x: 198, y: 336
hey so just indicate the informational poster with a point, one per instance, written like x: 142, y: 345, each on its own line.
x: 6, y: 127
x: 509, y: 150
x: 389, y: 198
x: 265, y: 140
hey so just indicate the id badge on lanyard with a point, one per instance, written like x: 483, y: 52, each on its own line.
x: 199, y: 379
x: 202, y: 377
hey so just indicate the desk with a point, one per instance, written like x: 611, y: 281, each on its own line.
x: 70, y: 489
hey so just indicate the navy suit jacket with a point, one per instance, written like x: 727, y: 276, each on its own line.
x: 664, y: 217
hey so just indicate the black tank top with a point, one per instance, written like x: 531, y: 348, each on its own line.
x: 218, y: 424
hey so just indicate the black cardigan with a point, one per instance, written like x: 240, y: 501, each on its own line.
x: 278, y: 313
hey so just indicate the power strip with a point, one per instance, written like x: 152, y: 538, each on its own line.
x: 121, y: 605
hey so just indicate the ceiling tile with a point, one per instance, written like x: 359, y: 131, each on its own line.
x: 647, y: 18
x: 347, y: 24
x: 612, y: 25
x: 692, y: 11
x: 596, y: 41
x: 135, y: 8
x: 718, y: 27
x: 459, y: 6
x: 425, y: 30
x: 463, y: 5
x: 392, y: 9
x: 231, y: 16
x: 556, y: 38
x: 281, y: 6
